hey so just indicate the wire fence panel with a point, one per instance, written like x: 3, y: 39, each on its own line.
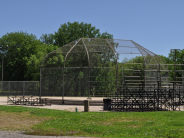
x: 31, y: 88
x: 22, y: 88
x: 52, y: 82
x: 76, y: 82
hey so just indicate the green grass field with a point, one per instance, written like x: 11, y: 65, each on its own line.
x: 166, y: 124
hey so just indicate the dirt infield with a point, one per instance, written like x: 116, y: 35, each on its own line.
x: 71, y: 108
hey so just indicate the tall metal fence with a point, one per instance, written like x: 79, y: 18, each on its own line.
x: 95, y: 67
x: 23, y: 88
x: 78, y: 82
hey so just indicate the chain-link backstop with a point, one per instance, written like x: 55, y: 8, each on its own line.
x: 122, y: 70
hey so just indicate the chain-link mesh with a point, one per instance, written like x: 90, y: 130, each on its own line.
x: 120, y: 69
x: 76, y: 82
x: 51, y: 81
x: 19, y: 88
x: 96, y: 67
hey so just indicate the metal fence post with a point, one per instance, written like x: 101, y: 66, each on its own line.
x: 63, y: 86
x: 8, y: 88
x: 182, y: 80
x: 40, y: 84
x: 89, y: 87
x: 2, y: 86
x: 23, y: 88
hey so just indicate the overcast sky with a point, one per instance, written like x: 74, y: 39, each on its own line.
x: 157, y: 25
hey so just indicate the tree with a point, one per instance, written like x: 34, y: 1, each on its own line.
x: 176, y: 57
x: 23, y: 56
x: 69, y: 32
x: 47, y: 38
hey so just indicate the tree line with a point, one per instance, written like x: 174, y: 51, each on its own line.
x: 23, y: 52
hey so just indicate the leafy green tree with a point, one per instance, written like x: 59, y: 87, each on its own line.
x: 47, y: 38
x: 23, y: 56
x: 176, y: 57
x: 69, y: 32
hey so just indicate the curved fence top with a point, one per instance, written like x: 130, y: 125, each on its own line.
x: 95, y: 52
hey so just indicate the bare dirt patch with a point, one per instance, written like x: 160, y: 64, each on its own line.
x: 22, y: 121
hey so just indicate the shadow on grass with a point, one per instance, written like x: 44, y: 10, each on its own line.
x: 49, y: 133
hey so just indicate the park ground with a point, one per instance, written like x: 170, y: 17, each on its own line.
x: 97, y: 123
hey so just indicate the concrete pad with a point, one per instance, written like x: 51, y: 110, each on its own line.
x: 76, y: 98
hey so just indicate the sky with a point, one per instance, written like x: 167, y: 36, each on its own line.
x: 157, y: 25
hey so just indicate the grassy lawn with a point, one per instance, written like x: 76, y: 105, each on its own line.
x: 95, y: 124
